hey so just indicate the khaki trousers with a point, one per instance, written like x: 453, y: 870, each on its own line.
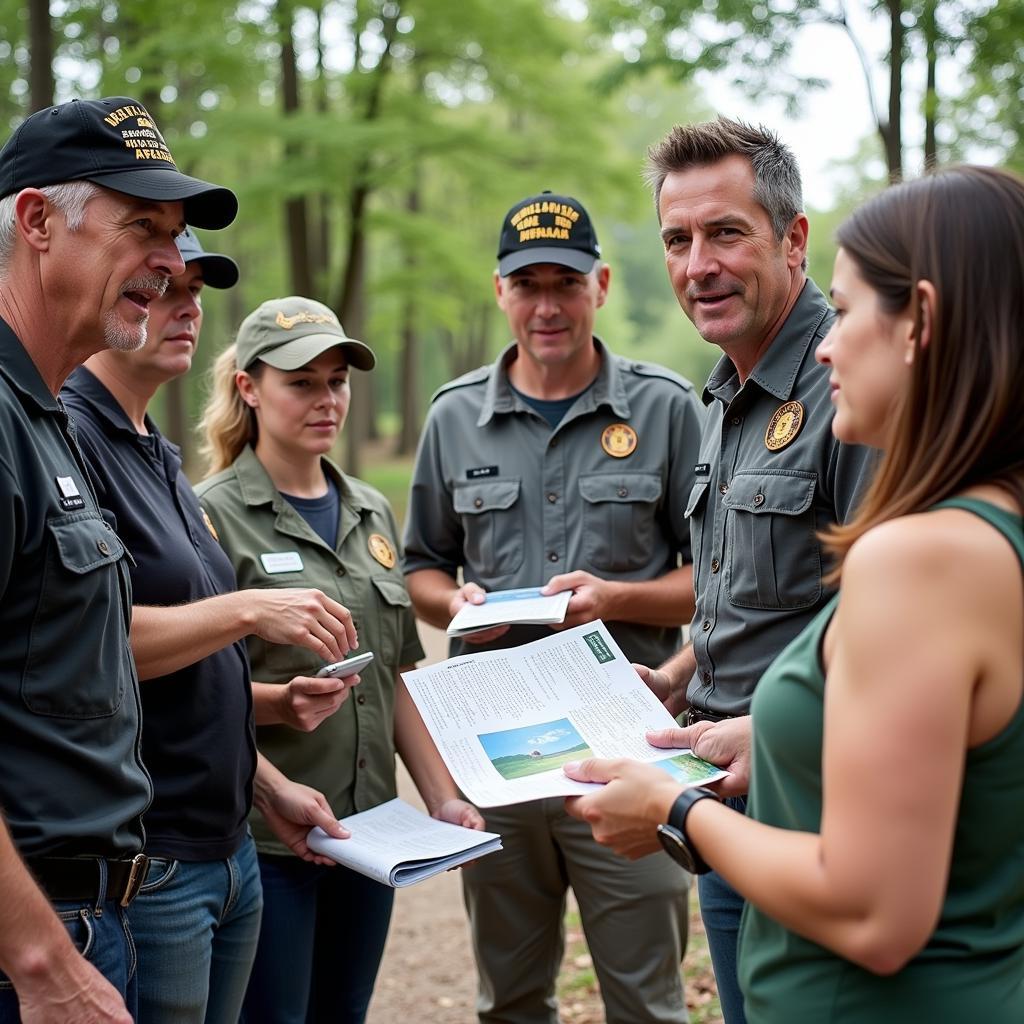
x: 634, y: 914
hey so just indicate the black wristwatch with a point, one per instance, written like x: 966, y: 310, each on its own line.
x: 673, y: 835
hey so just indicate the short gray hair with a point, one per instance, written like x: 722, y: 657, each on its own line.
x: 777, y: 184
x: 68, y: 197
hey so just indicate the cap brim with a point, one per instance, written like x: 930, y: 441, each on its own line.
x: 206, y: 205
x: 218, y: 271
x: 583, y: 262
x: 298, y: 353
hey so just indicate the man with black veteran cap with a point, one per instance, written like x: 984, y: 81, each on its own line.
x: 566, y: 465
x: 90, y: 204
x: 196, y: 919
x: 770, y: 475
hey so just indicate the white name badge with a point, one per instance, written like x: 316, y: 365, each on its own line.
x: 68, y: 487
x: 281, y: 561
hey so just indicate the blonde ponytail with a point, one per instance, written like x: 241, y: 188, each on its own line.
x: 227, y: 424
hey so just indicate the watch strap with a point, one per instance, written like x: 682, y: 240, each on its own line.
x: 677, y: 819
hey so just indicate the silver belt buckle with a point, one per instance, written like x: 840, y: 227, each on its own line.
x: 136, y: 876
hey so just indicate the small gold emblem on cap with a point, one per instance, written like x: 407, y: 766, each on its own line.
x: 619, y: 440
x: 210, y: 526
x: 784, y: 425
x: 381, y: 549
x: 304, y: 317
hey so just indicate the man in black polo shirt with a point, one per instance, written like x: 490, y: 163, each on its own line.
x: 87, y: 231
x: 196, y: 920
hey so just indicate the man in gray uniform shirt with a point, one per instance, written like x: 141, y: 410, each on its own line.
x: 769, y: 474
x: 564, y: 464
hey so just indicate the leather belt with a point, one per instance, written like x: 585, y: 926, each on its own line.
x: 694, y: 715
x: 79, y: 878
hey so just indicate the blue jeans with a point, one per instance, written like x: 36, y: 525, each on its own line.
x: 321, y: 942
x: 195, y: 925
x: 720, y: 909
x: 100, y: 933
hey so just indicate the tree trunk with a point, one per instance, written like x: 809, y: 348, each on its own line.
x: 40, y: 45
x: 351, y: 301
x: 407, y: 389
x: 893, y: 134
x: 320, y: 237
x: 931, y: 97
x: 351, y: 309
x: 296, y: 224
x: 469, y: 351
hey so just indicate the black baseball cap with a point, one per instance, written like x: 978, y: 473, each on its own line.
x: 218, y: 271
x: 112, y: 142
x: 547, y: 229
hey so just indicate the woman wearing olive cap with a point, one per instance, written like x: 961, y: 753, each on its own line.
x: 287, y: 516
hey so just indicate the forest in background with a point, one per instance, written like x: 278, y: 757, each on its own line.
x: 376, y: 144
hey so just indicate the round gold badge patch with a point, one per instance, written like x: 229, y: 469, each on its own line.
x: 381, y: 549
x: 619, y: 440
x: 210, y: 526
x: 784, y: 425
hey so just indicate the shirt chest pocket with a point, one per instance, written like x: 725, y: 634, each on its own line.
x: 492, y: 523
x: 81, y: 592
x: 392, y: 607
x: 774, y: 559
x: 619, y: 519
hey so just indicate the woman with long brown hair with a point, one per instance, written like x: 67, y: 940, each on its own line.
x: 883, y: 855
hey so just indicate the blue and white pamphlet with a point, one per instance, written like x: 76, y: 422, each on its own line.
x: 524, y: 607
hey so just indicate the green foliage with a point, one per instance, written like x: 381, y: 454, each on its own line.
x: 992, y: 114
x: 419, y: 122
x: 752, y: 40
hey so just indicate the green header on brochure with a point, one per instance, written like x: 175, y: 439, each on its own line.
x: 598, y: 647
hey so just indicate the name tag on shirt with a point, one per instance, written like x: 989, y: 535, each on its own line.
x: 281, y: 561
x: 478, y: 471
x: 70, y: 497
x: 702, y: 469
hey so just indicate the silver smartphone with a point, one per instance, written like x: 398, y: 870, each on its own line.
x: 348, y: 667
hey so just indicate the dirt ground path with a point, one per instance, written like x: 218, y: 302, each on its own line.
x: 428, y: 977
x: 427, y: 973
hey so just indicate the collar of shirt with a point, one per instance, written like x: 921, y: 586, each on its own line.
x: 777, y: 370
x: 89, y: 388
x: 17, y: 367
x: 607, y: 389
x: 257, y: 488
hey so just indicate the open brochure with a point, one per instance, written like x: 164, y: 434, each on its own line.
x: 506, y: 721
x: 398, y: 845
x: 525, y: 607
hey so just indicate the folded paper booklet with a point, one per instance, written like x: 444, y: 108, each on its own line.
x: 398, y: 845
x: 526, y: 607
x: 506, y: 721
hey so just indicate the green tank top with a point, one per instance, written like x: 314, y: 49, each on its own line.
x: 972, y: 968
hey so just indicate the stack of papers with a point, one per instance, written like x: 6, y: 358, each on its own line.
x: 526, y: 607
x: 506, y: 721
x: 398, y: 845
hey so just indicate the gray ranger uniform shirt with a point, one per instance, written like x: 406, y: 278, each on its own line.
x: 769, y: 476
x: 512, y: 502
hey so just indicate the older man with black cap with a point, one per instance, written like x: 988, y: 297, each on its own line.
x: 196, y: 919
x: 561, y: 457
x: 88, y: 217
